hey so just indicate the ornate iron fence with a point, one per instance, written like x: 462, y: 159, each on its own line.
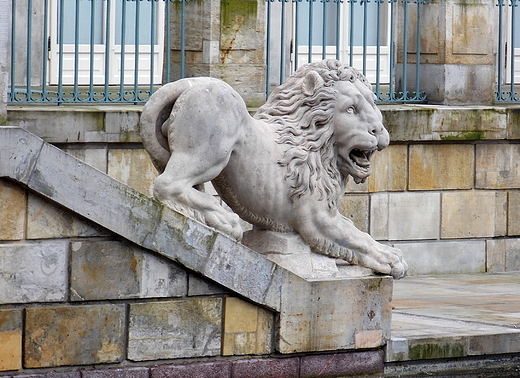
x: 508, y: 56
x: 112, y: 51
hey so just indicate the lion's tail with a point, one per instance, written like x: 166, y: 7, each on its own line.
x: 157, y: 111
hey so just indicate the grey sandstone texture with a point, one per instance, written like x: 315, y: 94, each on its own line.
x: 144, y: 223
x: 34, y: 271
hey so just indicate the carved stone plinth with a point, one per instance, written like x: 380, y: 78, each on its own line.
x: 327, y: 304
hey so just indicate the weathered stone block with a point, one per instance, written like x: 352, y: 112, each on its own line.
x: 132, y: 167
x: 473, y: 214
x: 266, y: 368
x: 75, y: 185
x: 18, y: 163
x: 33, y: 272
x: 13, y: 203
x: 175, y: 329
x: 74, y: 335
x: 389, y: 169
x: 405, y: 216
x: 355, y: 207
x: 513, y: 213
x: 497, y: 166
x: 342, y: 364
x: 248, y: 329
x: 345, y: 307
x: 10, y: 340
x: 503, y: 255
x: 197, y: 285
x: 128, y: 372
x: 444, y: 257
x: 496, y: 255
x: 96, y: 157
x: 46, y: 220
x: 113, y: 270
x: 512, y: 255
x: 219, y: 369
x: 430, y: 169
x: 235, y: 266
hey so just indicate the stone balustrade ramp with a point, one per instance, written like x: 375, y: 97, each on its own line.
x: 322, y: 314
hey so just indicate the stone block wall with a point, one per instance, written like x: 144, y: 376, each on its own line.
x: 446, y: 191
x: 73, y: 294
x: 78, y: 302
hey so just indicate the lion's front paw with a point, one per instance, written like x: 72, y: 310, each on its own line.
x: 226, y: 222
x: 384, y: 259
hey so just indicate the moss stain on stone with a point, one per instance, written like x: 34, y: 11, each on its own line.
x: 428, y: 351
x: 465, y: 135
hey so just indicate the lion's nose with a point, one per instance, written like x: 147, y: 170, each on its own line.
x: 383, y: 139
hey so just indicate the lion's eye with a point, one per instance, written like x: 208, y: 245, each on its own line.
x: 351, y: 110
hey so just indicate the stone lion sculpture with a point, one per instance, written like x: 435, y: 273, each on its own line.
x: 284, y: 170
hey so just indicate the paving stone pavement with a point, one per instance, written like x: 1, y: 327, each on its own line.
x: 455, y: 316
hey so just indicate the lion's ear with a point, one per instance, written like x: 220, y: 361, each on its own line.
x: 312, y: 82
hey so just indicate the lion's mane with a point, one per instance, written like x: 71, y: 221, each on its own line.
x: 305, y: 125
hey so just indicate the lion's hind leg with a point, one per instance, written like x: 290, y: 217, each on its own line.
x: 176, y: 188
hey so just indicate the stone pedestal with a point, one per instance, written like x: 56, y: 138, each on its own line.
x: 456, y: 48
x: 223, y: 39
x: 326, y: 304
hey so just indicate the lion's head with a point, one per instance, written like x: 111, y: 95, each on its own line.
x: 326, y: 115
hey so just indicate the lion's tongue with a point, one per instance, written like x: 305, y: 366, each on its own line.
x: 360, y: 158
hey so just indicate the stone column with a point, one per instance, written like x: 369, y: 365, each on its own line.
x: 5, y: 32
x: 224, y: 39
x: 458, y: 47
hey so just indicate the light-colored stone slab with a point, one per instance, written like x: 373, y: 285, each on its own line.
x: 134, y: 168
x: 319, y: 321
x: 96, y: 157
x: 411, y: 216
x: 13, y: 207
x: 430, y: 169
x: 33, y: 272
x: 513, y: 213
x: 421, y: 337
x: 46, y: 220
x: 17, y: 163
x: 247, y: 328
x: 473, y: 214
x: 74, y: 335
x: 497, y: 166
x: 113, y: 270
x: 76, y: 185
x: 175, y: 329
x: 11, y: 339
x: 234, y: 265
x: 441, y: 257
x: 355, y: 207
x: 389, y: 169
x: 496, y: 255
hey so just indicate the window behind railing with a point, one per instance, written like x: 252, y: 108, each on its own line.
x: 112, y: 51
x: 86, y: 51
x: 508, y: 57
x: 363, y: 33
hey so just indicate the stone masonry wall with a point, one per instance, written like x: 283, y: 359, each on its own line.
x: 64, y: 280
x: 447, y: 190
x: 79, y: 302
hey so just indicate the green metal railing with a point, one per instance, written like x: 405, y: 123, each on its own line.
x: 66, y: 54
x: 347, y: 30
x: 508, y: 42
x: 121, y: 51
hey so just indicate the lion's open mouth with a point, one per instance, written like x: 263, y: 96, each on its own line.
x: 361, y: 157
